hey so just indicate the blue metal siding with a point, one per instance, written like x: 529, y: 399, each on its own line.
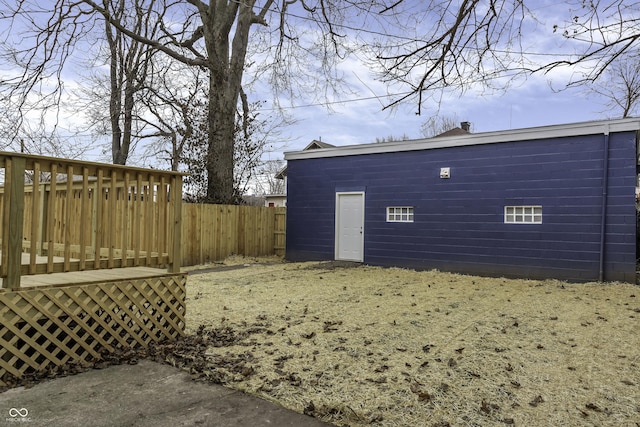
x: 620, y: 240
x: 458, y: 223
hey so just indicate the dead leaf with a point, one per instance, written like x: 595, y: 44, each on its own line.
x: 593, y: 407
x: 488, y: 407
x: 536, y: 401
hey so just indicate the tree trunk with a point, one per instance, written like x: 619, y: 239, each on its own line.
x: 226, y: 67
x: 220, y: 163
x: 115, y: 104
x: 125, y: 144
x: 121, y: 138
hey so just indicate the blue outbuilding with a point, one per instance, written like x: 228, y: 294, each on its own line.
x: 549, y: 202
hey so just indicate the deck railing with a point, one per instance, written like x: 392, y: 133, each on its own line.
x: 62, y: 215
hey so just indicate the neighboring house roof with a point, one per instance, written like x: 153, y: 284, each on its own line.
x: 527, y: 134
x: 282, y: 173
x: 313, y: 145
x: 453, y: 132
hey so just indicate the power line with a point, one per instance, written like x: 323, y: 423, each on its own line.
x: 345, y: 101
x: 512, y: 75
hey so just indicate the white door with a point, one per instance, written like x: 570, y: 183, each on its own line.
x: 349, y: 226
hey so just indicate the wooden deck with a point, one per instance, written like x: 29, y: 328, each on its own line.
x: 92, y: 276
x: 89, y: 276
x: 103, y: 228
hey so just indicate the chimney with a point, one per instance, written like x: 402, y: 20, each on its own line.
x: 466, y: 126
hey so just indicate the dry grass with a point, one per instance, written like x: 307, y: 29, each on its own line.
x: 393, y: 347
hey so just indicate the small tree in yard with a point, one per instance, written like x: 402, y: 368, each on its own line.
x: 249, y: 147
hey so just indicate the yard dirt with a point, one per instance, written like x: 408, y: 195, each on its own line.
x: 360, y: 345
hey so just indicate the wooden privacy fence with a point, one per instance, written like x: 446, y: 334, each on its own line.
x: 213, y: 232
x: 63, y: 215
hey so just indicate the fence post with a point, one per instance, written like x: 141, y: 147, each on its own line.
x: 280, y: 231
x: 14, y: 215
x: 176, y: 201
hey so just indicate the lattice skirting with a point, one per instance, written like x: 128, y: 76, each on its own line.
x: 42, y: 327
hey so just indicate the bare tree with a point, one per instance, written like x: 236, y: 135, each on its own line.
x: 215, y: 36
x: 423, y: 46
x: 620, y: 86
x: 176, y: 104
x: 34, y: 45
x: 439, y: 124
x: 391, y: 138
x: 271, y: 182
x: 473, y: 43
x: 112, y: 101
x: 129, y: 64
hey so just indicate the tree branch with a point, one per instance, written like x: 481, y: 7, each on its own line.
x: 153, y: 43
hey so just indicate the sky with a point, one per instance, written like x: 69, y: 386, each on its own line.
x: 532, y: 104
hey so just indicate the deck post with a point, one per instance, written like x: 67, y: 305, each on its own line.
x: 16, y: 216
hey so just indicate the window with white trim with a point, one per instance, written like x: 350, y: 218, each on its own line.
x: 523, y: 214
x: 399, y: 213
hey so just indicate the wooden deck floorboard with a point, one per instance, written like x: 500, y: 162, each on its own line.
x: 90, y: 276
